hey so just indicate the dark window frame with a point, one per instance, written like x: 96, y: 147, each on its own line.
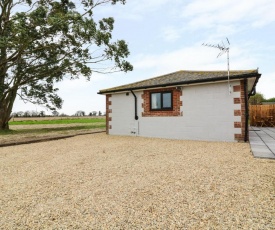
x: 161, y: 101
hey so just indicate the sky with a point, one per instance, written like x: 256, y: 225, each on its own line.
x: 166, y: 36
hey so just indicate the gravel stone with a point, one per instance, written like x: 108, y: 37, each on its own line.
x: 112, y: 182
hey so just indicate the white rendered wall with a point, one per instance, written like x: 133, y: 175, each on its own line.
x: 208, y: 114
x: 123, y: 114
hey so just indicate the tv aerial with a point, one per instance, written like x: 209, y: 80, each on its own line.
x: 223, y: 49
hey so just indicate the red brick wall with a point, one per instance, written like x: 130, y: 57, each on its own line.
x: 108, y: 112
x: 240, y: 100
x: 176, y: 103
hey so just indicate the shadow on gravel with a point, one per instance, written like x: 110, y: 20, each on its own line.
x: 43, y: 139
x: 34, y: 135
x: 52, y: 129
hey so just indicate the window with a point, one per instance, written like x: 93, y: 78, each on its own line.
x: 161, y: 101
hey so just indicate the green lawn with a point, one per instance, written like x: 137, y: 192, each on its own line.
x: 68, y: 125
x: 58, y: 121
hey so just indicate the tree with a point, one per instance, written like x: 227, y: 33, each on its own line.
x: 80, y: 113
x: 27, y: 113
x: 257, y: 99
x: 93, y: 113
x: 14, y: 114
x: 55, y: 113
x: 44, y: 41
x: 20, y: 114
x: 63, y: 115
x: 34, y: 113
x: 272, y: 99
x: 42, y: 113
x: 99, y: 113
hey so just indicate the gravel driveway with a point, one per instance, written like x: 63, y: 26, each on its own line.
x: 112, y: 182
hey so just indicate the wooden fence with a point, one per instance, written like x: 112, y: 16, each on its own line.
x: 262, y: 115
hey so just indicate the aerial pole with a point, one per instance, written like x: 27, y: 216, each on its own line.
x: 223, y: 49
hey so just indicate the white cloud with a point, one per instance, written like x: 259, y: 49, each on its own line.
x: 266, y: 84
x: 171, y: 34
x: 139, y: 8
x: 209, y: 13
x: 144, y: 6
x: 195, y: 57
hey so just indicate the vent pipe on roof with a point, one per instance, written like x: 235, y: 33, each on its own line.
x: 136, y: 116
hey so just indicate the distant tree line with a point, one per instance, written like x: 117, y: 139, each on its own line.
x: 33, y: 113
x: 259, y: 98
x: 81, y: 113
x: 29, y: 113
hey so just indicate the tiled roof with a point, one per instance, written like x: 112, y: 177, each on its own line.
x: 183, y: 77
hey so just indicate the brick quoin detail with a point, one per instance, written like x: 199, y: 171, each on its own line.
x: 236, y: 88
x: 108, y: 112
x: 240, y: 137
x: 237, y: 112
x: 165, y: 113
x: 237, y: 100
x: 237, y: 124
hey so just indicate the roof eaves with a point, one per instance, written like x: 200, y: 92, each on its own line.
x: 243, y: 76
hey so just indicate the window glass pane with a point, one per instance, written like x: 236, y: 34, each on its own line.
x: 156, y: 101
x: 167, y: 100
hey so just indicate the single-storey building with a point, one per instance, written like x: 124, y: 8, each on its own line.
x: 190, y: 105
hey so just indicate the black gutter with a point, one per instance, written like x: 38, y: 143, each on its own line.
x: 246, y: 111
x: 253, y: 90
x: 183, y: 83
x: 136, y: 116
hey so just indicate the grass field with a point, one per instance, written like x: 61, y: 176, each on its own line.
x: 26, y: 129
x: 47, y: 120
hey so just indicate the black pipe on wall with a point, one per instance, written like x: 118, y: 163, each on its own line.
x: 136, y: 116
x: 246, y: 111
